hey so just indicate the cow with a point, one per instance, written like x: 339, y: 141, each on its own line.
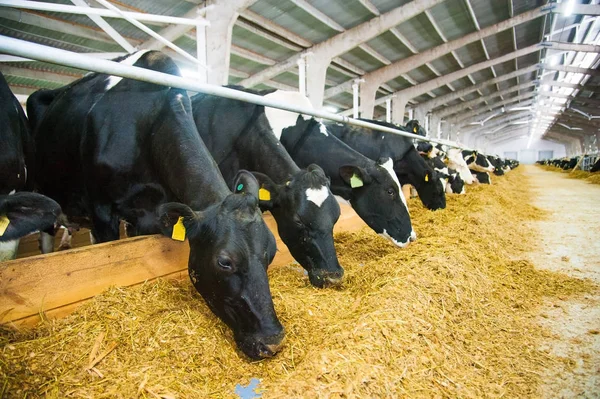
x: 449, y: 177
x: 371, y: 187
x: 497, y: 163
x: 596, y: 166
x: 239, y: 136
x: 110, y: 148
x: 457, y: 162
x: 477, y: 162
x: 408, y: 165
x: 21, y: 212
x: 483, y: 177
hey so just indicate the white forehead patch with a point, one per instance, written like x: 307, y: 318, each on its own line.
x: 389, y: 166
x: 130, y: 60
x: 280, y: 119
x: 323, y: 129
x: 12, y: 192
x: 317, y: 195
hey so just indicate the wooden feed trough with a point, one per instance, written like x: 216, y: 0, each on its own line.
x: 53, y: 285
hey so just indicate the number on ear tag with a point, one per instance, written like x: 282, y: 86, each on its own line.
x: 264, y: 194
x: 4, y: 222
x: 179, y: 230
x: 426, y: 177
x: 356, y: 181
x: 415, y: 129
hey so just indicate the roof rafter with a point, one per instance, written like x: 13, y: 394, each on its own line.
x: 345, y: 41
x: 390, y: 72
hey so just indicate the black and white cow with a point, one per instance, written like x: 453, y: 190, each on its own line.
x: 111, y: 148
x: 479, y: 164
x: 457, y: 162
x: 497, y: 163
x: 370, y: 186
x: 239, y: 136
x: 21, y: 212
x: 596, y: 166
x: 449, y: 177
x: 409, y: 166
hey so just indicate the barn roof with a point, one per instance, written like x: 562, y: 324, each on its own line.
x: 558, y: 102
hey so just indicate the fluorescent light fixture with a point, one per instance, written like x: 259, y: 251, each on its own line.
x: 331, y: 108
x: 519, y: 109
x: 568, y: 8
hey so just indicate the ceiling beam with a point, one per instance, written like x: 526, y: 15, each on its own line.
x: 468, y: 104
x: 59, y: 78
x: 370, y: 6
x: 346, y: 41
x: 578, y: 9
x: 471, y: 116
x: 321, y: 16
x: 424, y: 87
x: 587, y: 48
x: 566, y: 68
x: 585, y: 100
x: 390, y: 72
x: 499, y: 122
x: 269, y: 25
x: 436, y: 102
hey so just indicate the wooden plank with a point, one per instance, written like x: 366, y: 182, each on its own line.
x: 59, y: 282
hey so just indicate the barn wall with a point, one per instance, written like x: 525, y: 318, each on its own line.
x: 520, y: 146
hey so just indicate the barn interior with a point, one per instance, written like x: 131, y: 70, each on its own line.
x: 493, y: 299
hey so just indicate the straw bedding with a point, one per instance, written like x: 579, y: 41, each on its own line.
x: 593, y: 178
x: 453, y: 315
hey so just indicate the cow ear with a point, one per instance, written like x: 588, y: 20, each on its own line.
x: 268, y: 191
x: 245, y: 183
x: 179, y: 221
x: 24, y: 213
x: 354, y: 176
x: 428, y: 176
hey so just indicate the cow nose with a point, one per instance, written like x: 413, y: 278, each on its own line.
x: 333, y: 281
x: 269, y: 350
x: 413, y: 237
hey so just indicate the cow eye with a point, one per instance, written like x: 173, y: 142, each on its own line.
x: 391, y: 191
x: 225, y: 262
x: 298, y: 222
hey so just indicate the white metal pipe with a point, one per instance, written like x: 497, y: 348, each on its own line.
x: 302, y: 75
x: 105, y: 26
x: 150, y: 32
x: 388, y: 110
x: 62, y: 57
x: 38, y: 5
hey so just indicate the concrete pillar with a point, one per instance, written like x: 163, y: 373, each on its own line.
x: 316, y: 72
x: 398, y: 107
x: 218, y: 38
x: 419, y: 113
x: 368, y: 91
x: 434, y: 126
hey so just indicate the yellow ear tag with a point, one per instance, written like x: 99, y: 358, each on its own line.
x: 4, y: 222
x: 415, y: 129
x: 356, y: 181
x: 179, y: 230
x: 426, y: 177
x: 264, y: 194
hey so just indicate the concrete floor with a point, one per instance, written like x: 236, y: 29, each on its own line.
x: 569, y: 242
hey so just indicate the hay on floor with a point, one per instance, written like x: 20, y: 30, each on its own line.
x: 589, y: 177
x: 453, y: 315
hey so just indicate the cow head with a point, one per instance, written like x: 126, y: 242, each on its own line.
x: 305, y: 211
x: 477, y: 162
x: 455, y: 184
x: 415, y: 127
x: 413, y: 169
x: 457, y: 162
x: 23, y: 213
x: 377, y: 198
x: 230, y: 250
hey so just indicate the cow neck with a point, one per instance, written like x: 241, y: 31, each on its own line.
x: 187, y: 167
x: 300, y: 140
